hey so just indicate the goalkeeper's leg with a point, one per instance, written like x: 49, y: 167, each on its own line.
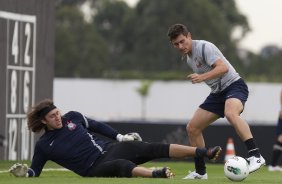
x: 181, y: 151
x: 137, y: 152
x: 126, y: 168
x: 113, y: 168
x: 141, y: 152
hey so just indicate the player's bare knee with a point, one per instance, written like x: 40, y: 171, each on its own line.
x: 187, y: 128
x: 279, y: 138
x: 231, y: 116
x: 192, y: 130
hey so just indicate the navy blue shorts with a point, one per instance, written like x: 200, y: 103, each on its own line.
x: 215, y: 102
x: 279, y: 127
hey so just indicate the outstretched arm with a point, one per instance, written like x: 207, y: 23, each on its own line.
x: 100, y: 128
x: 108, y: 131
x: 38, y: 162
x: 22, y: 170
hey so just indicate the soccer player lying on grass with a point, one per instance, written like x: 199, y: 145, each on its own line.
x: 69, y: 141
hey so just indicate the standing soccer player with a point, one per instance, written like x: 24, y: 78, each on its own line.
x: 277, y: 147
x: 227, y: 98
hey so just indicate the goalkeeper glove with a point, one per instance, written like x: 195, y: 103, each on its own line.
x: 19, y: 170
x: 134, y: 136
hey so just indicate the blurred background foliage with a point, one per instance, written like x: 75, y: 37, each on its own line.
x: 109, y: 39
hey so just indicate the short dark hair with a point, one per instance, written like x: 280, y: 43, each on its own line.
x: 177, y: 29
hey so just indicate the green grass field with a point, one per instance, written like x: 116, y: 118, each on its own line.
x: 215, y: 173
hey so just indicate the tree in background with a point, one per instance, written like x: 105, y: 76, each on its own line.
x: 80, y: 50
x: 143, y: 91
x: 139, y: 41
x: 124, y: 42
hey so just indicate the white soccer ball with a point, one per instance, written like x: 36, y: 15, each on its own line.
x: 236, y: 168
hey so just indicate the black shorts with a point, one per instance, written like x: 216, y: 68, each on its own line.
x: 279, y: 127
x: 215, y: 102
x: 121, y: 158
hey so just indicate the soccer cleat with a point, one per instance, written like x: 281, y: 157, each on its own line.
x: 274, y: 168
x: 163, y: 173
x: 193, y: 176
x: 213, y: 153
x: 255, y: 163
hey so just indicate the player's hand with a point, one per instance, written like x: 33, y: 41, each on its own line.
x: 19, y: 170
x: 133, y: 136
x: 195, y: 78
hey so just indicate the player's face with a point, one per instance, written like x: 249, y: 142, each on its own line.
x: 183, y: 43
x: 53, y: 119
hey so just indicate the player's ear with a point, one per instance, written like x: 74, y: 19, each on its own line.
x: 189, y: 35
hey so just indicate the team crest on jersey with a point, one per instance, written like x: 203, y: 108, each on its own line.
x: 198, y: 62
x: 71, y: 125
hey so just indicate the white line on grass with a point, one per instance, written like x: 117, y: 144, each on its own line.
x: 47, y: 169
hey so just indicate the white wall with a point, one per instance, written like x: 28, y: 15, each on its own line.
x: 175, y: 100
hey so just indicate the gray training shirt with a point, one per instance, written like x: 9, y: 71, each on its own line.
x: 204, y: 55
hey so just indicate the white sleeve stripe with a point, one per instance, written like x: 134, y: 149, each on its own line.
x: 33, y: 173
x: 86, y: 122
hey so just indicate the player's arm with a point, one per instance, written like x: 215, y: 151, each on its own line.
x: 22, y: 170
x: 108, y: 131
x: 219, y: 69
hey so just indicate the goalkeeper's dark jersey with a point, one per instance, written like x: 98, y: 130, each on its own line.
x: 73, y: 146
